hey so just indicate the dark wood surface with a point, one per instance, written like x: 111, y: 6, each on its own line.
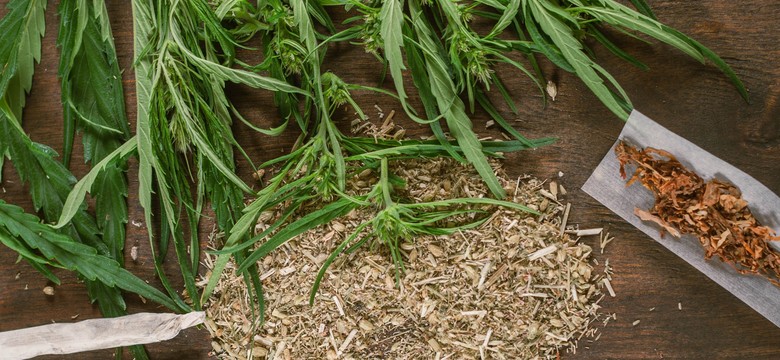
x: 692, y: 100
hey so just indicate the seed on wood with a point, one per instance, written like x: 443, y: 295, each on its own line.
x: 258, y: 175
x: 552, y: 90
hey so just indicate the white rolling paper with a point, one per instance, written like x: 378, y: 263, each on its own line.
x: 606, y: 186
x: 94, y: 334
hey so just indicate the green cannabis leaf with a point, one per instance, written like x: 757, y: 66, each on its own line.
x: 22, y: 28
x: 93, y: 101
x: 60, y: 250
x: 392, y: 21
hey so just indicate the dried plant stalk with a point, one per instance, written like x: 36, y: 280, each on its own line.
x: 713, y: 211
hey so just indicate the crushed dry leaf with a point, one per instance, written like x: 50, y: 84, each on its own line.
x: 514, y: 288
x: 713, y: 211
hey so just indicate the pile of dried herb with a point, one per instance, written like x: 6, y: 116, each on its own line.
x: 515, y: 287
x: 713, y: 211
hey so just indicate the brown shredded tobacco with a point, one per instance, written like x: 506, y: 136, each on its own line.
x: 713, y: 211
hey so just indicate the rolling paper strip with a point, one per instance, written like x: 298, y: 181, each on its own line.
x: 94, y: 334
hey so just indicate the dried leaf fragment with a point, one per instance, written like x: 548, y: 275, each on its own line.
x: 646, y: 216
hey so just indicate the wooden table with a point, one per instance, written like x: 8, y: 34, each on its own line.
x: 692, y: 100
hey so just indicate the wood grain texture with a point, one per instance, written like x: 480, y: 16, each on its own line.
x: 693, y: 100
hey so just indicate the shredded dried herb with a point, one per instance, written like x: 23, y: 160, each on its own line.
x: 511, y: 287
x: 713, y: 211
